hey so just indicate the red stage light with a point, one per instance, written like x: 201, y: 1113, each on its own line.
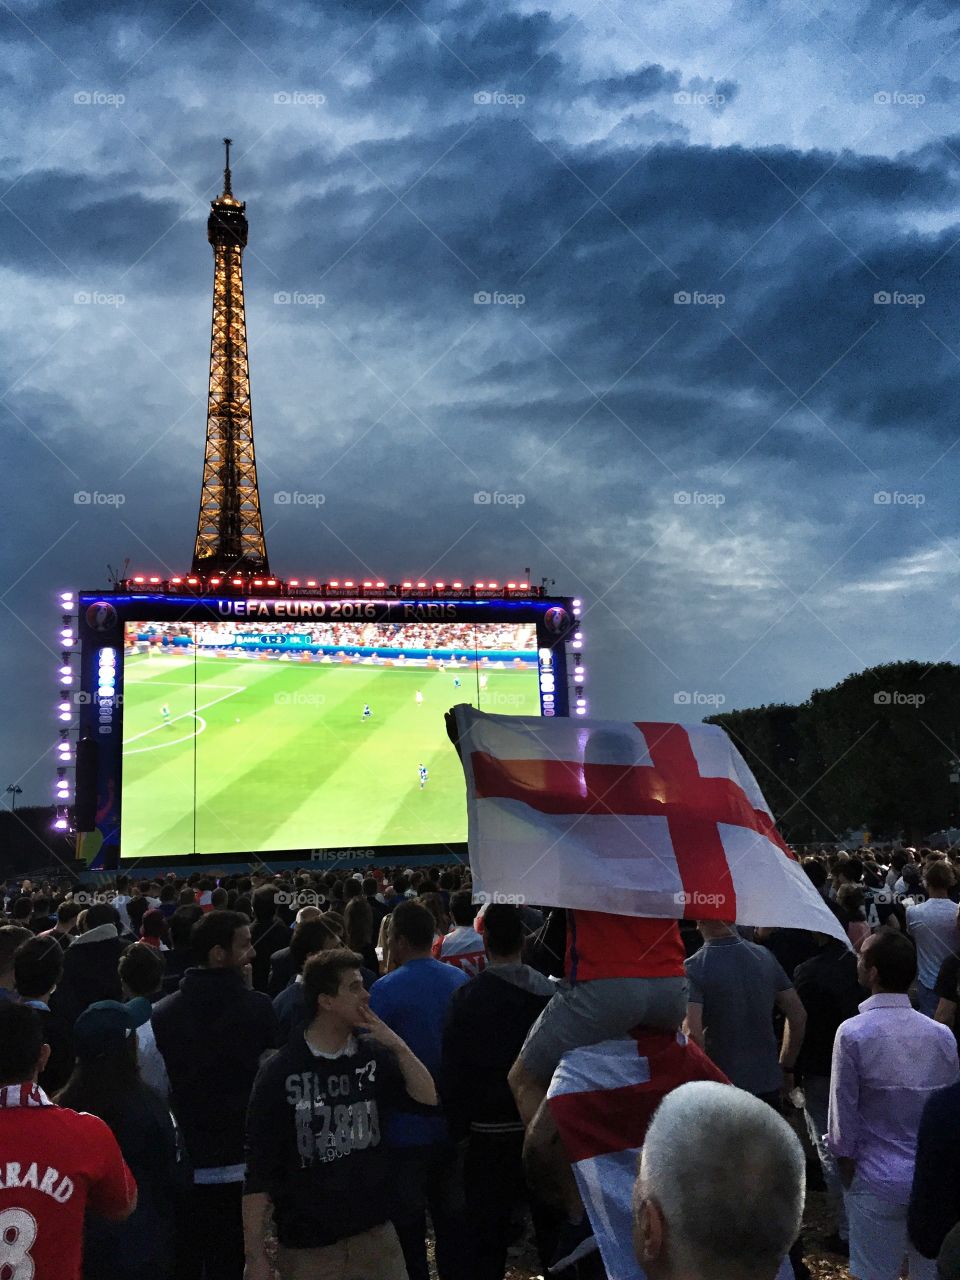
x: 348, y: 582
x: 381, y: 584
x: 193, y: 581
x: 511, y: 586
x: 139, y: 579
x: 271, y: 582
x: 408, y: 584
x: 311, y: 582
x: 421, y: 585
x: 238, y: 582
x: 294, y: 582
x: 258, y: 582
x: 154, y: 579
x: 214, y: 582
x: 457, y: 586
x: 334, y: 582
x: 176, y: 580
x: 368, y: 584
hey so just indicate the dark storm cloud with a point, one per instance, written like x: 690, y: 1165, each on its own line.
x: 480, y: 150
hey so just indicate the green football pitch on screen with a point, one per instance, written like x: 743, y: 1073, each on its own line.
x: 250, y: 755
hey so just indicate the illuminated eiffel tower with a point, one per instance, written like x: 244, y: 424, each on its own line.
x: 229, y: 527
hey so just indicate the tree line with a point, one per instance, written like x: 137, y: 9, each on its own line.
x: 878, y: 750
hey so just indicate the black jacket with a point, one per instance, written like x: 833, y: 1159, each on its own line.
x: 281, y: 971
x: 143, y: 1244
x: 89, y: 974
x: 486, y: 1026
x: 935, y: 1197
x: 828, y: 988
x: 212, y: 1033
x: 267, y: 936
x: 176, y: 962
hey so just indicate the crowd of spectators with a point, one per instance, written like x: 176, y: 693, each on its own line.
x: 313, y: 1074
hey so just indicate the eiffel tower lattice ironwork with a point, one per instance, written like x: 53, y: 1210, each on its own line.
x: 229, y: 527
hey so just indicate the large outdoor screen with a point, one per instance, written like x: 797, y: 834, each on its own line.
x: 258, y: 737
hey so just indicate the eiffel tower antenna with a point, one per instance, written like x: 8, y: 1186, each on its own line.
x: 229, y: 526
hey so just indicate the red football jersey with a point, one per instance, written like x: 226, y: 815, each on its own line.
x: 54, y: 1164
x: 607, y: 946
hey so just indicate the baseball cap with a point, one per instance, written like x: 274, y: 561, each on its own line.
x: 103, y: 1027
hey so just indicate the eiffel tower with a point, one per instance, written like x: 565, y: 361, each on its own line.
x: 229, y: 527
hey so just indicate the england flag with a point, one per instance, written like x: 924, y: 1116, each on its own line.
x: 602, y: 1098
x: 645, y: 819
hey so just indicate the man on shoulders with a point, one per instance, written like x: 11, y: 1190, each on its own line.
x: 57, y: 1163
x: 887, y: 1061
x: 314, y: 1135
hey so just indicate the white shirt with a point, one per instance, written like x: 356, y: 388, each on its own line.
x: 153, y: 1069
x: 933, y: 927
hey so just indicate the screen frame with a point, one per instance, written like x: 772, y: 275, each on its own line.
x: 102, y: 618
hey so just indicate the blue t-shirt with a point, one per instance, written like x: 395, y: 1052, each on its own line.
x: 738, y: 982
x: 413, y: 1002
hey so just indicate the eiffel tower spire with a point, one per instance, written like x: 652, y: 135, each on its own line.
x: 229, y: 527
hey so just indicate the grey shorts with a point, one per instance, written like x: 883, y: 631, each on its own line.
x: 600, y: 1009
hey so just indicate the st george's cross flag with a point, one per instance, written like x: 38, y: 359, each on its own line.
x: 645, y: 819
x: 602, y: 1099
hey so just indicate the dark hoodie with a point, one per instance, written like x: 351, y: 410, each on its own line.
x: 212, y: 1033
x: 486, y: 1026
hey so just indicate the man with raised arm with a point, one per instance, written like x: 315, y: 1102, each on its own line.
x: 314, y: 1149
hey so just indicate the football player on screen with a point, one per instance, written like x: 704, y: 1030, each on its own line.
x: 423, y: 775
x: 165, y: 712
x: 367, y: 713
x: 419, y: 697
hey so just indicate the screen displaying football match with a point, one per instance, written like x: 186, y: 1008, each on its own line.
x: 263, y: 736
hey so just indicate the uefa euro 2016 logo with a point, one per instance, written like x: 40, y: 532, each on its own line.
x: 101, y: 616
x: 556, y: 619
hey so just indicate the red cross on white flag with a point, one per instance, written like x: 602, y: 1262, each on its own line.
x: 643, y: 819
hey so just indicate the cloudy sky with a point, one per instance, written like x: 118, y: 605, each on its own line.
x: 718, y: 377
